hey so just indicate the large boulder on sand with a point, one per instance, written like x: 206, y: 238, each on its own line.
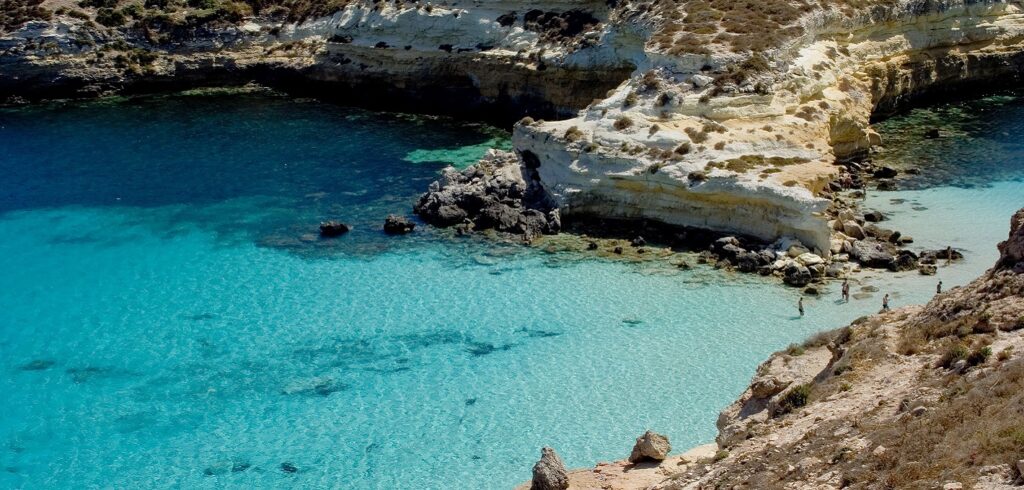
x: 549, y: 473
x: 1011, y: 252
x: 651, y: 445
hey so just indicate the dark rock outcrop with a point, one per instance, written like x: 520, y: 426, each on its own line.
x: 331, y: 229
x: 549, y: 473
x: 1011, y: 251
x: 796, y: 275
x: 398, y: 225
x: 650, y: 446
x: 499, y: 192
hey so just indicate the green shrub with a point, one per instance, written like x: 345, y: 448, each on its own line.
x: 573, y: 133
x: 953, y: 354
x: 795, y: 350
x: 98, y: 4
x: 110, y: 17
x: 979, y: 356
x: 622, y: 123
x: 796, y: 397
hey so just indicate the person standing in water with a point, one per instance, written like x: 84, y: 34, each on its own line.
x: 949, y: 254
x: 885, y: 302
x: 800, y: 305
x: 938, y: 288
x: 846, y: 290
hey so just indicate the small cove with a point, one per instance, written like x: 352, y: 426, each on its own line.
x: 167, y: 319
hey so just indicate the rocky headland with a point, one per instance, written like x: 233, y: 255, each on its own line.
x: 923, y: 397
x: 750, y: 120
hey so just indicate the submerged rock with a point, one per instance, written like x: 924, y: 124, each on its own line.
x: 398, y: 225
x: 651, y: 445
x: 331, y: 229
x: 549, y: 473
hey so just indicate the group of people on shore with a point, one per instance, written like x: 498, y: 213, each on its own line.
x: 845, y: 290
x: 885, y: 299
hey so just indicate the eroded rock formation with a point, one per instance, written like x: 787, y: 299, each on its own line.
x: 650, y: 446
x: 549, y: 473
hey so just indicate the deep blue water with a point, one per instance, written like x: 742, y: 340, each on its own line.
x: 168, y: 317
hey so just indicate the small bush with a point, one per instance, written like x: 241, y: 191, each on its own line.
x: 697, y: 176
x: 650, y: 81
x: 696, y: 136
x: 953, y: 354
x: 110, y: 17
x: 795, y: 398
x: 622, y: 123
x: 720, y: 455
x: 979, y: 356
x: 526, y: 121
x: 795, y: 350
x: 682, y: 149
x: 844, y: 386
x: 98, y: 4
x: 654, y: 129
x: 1005, y: 353
x: 720, y: 145
x: 573, y: 134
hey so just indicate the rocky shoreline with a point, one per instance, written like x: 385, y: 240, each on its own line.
x: 750, y: 133
x: 919, y: 397
x: 503, y: 193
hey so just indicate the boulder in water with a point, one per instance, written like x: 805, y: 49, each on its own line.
x: 796, y: 275
x: 549, y: 473
x: 398, y: 225
x: 873, y: 253
x: 331, y: 229
x: 885, y: 172
x: 650, y: 446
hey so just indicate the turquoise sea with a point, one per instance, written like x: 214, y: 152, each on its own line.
x: 169, y: 319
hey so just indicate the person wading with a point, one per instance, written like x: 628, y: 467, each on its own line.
x: 938, y: 288
x: 885, y: 302
x: 846, y: 290
x: 800, y: 305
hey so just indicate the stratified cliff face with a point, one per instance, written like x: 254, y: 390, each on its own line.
x: 747, y: 142
x: 490, y: 59
x: 928, y: 397
x: 729, y: 115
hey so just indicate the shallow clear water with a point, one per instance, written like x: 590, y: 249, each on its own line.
x: 166, y: 322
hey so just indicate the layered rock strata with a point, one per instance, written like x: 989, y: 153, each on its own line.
x: 493, y: 60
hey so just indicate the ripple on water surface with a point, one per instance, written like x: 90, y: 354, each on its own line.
x: 164, y: 323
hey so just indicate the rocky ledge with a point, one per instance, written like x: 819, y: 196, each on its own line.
x: 744, y: 118
x: 497, y: 193
x: 919, y: 397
